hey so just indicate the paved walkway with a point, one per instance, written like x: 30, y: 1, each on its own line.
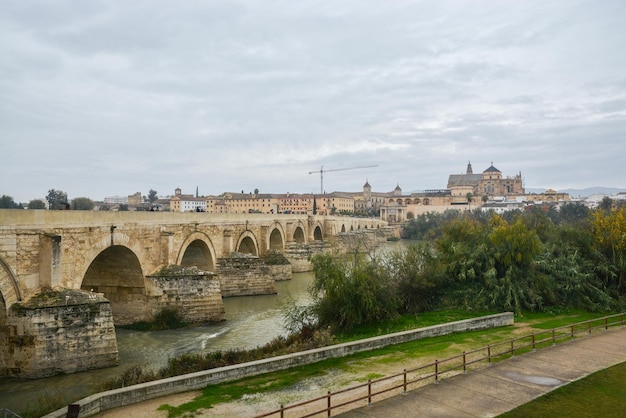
x: 491, y: 391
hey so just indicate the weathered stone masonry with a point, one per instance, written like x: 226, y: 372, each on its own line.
x: 112, y: 257
x: 60, y: 332
x: 197, y: 297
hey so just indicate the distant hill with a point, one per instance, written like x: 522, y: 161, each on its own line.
x: 592, y: 190
x: 582, y: 192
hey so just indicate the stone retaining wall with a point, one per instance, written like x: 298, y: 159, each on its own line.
x: 103, y: 401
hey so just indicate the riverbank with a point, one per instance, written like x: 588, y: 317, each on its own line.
x: 193, y: 381
x: 513, y: 382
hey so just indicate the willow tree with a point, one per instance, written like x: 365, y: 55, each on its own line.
x: 416, y: 275
x: 348, y: 292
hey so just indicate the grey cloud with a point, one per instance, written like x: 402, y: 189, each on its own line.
x: 247, y: 94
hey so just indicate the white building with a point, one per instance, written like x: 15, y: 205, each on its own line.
x: 116, y: 200
x: 187, y: 203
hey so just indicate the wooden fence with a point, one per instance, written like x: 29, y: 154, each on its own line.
x: 440, y: 369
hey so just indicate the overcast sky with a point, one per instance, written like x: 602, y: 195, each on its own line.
x: 103, y: 98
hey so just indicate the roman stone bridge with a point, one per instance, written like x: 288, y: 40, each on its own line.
x: 114, y: 260
x: 76, y: 249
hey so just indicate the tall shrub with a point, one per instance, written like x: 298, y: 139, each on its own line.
x: 351, y: 291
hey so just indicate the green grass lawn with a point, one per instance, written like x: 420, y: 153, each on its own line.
x: 601, y: 394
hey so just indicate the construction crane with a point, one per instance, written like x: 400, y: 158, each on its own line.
x: 322, y: 171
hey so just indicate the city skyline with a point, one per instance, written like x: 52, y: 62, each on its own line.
x: 108, y: 98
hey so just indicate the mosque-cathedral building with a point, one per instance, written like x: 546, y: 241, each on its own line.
x: 466, y: 191
x: 489, y: 183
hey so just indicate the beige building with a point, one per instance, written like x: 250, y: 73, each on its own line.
x: 464, y: 192
x: 397, y: 208
x: 489, y: 183
x: 135, y: 199
x: 371, y: 202
x: 299, y: 204
x: 549, y: 196
x: 293, y: 203
x: 334, y: 203
x: 241, y: 203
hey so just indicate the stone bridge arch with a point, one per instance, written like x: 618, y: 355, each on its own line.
x: 247, y: 244
x: 117, y: 273
x: 197, y: 250
x: 9, y: 289
x: 276, y: 238
x: 116, y: 266
x: 318, y: 232
x: 100, y: 244
x: 9, y: 294
x: 299, y: 233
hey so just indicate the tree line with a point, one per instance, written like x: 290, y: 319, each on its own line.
x: 58, y: 200
x: 540, y: 259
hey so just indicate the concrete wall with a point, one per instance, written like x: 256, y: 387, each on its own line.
x: 99, y: 402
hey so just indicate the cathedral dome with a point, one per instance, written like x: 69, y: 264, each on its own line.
x: 492, y: 169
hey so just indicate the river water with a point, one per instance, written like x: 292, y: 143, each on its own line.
x: 250, y: 321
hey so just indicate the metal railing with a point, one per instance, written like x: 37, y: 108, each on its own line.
x: 440, y: 369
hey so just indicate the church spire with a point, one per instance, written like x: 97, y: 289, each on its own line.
x: 469, y: 168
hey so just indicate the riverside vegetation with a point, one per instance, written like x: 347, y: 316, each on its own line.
x: 530, y: 262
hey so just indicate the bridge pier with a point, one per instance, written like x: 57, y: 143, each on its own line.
x: 58, y: 332
x: 194, y: 294
x: 245, y: 275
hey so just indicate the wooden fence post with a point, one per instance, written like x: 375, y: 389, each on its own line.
x: 404, y: 382
x: 328, y: 403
